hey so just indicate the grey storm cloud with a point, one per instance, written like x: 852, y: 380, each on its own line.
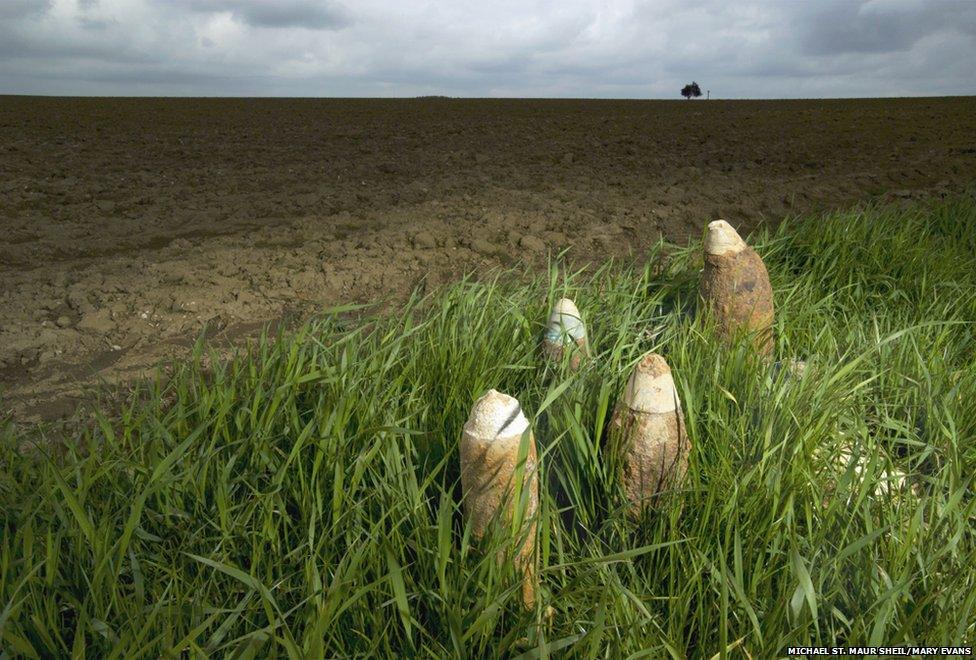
x: 310, y: 14
x: 851, y: 27
x: 558, y: 48
x: 23, y: 8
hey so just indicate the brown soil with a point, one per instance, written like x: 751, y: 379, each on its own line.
x: 128, y: 225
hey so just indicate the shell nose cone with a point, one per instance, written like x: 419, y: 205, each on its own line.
x: 565, y: 320
x: 565, y: 306
x: 651, y: 387
x: 496, y: 415
x: 722, y: 238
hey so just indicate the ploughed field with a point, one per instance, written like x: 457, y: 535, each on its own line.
x: 128, y: 226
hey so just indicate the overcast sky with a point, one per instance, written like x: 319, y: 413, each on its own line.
x: 548, y: 48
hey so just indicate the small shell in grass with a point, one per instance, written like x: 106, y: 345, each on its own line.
x: 489, y: 450
x: 888, y: 481
x: 647, y: 434
x: 791, y: 369
x: 735, y: 286
x: 565, y: 331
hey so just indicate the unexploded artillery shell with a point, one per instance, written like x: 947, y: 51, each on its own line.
x: 647, y: 433
x: 735, y: 285
x: 565, y: 331
x: 489, y: 461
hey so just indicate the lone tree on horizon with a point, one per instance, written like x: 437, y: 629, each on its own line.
x: 691, y: 90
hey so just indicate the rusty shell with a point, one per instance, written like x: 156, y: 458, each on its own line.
x: 489, y: 461
x: 735, y: 286
x: 648, y: 435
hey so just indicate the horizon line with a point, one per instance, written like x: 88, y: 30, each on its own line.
x: 444, y: 97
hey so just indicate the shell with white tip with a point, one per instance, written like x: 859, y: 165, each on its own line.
x: 735, y: 286
x: 647, y: 435
x: 489, y: 451
x: 565, y: 331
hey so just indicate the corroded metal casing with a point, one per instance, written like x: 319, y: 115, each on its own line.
x: 489, y: 461
x: 735, y: 285
x: 565, y: 331
x: 647, y: 434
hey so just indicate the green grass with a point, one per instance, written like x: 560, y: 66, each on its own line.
x: 303, y: 499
